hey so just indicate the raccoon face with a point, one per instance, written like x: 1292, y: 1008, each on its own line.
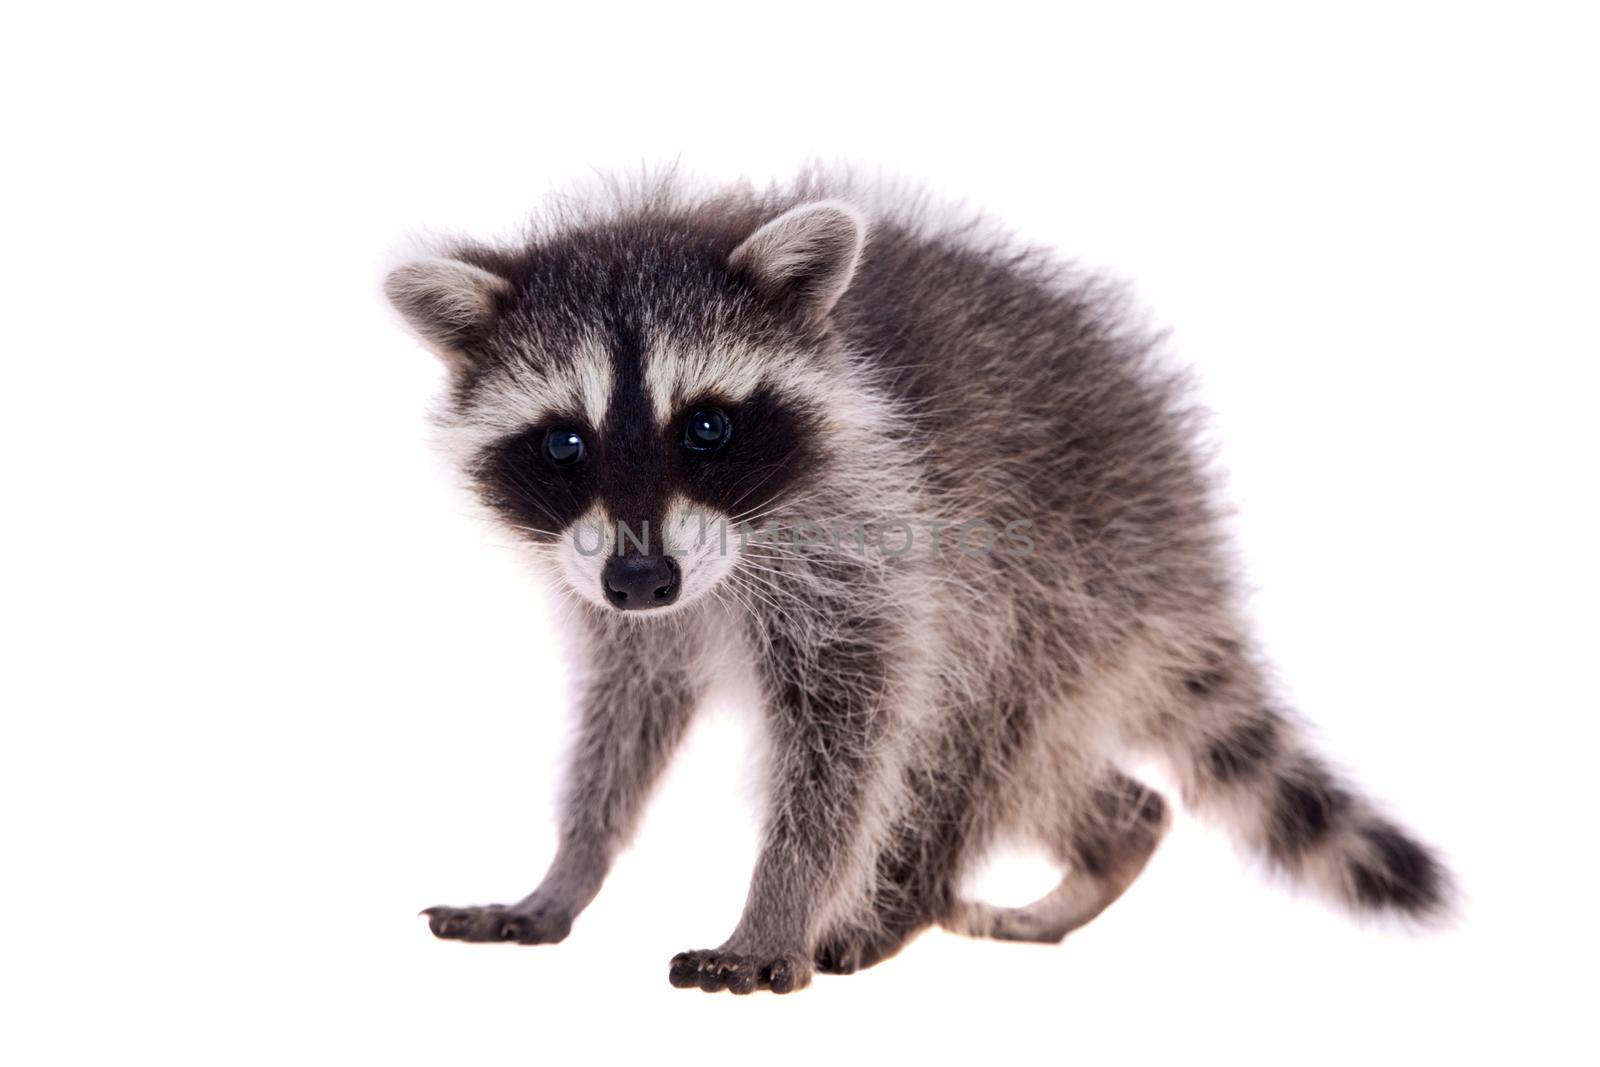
x: 623, y: 396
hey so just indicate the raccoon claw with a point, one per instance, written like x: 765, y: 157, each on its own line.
x: 497, y: 922
x: 786, y: 974
x: 713, y: 971
x: 684, y: 971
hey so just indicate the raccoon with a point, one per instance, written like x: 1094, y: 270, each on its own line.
x: 937, y: 498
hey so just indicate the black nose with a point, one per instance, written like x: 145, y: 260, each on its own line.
x: 634, y: 582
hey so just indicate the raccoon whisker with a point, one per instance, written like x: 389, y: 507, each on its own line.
x: 533, y: 530
x: 772, y: 468
x: 774, y: 579
x: 724, y: 594
x: 834, y: 528
x: 811, y: 552
x: 528, y: 494
x: 758, y: 581
x: 741, y: 582
x: 737, y: 516
x: 803, y: 583
x: 791, y: 565
x: 778, y: 498
x: 772, y: 504
x: 747, y: 565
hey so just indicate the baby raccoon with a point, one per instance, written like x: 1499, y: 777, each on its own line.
x: 942, y: 507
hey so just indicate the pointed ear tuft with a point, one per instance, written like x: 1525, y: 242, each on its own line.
x: 805, y: 257
x: 447, y: 302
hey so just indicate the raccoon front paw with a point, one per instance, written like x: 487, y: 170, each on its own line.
x: 523, y: 924
x: 713, y: 970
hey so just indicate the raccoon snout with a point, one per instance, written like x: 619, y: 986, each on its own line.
x: 635, y: 582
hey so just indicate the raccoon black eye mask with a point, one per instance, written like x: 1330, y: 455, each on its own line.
x: 658, y: 395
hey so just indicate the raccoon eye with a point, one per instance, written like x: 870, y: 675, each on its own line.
x: 706, y: 430
x: 563, y: 446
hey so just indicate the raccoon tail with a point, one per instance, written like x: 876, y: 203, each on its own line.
x: 1254, y: 771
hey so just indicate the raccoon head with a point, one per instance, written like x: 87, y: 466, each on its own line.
x: 624, y: 393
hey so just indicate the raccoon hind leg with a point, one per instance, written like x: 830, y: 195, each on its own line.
x: 900, y: 909
x: 1106, y: 847
x: 916, y: 874
x: 855, y: 948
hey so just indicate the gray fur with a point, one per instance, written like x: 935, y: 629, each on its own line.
x: 920, y: 705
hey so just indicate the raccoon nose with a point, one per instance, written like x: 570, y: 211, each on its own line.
x: 635, y: 582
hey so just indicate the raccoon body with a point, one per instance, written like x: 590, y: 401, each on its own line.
x: 940, y: 499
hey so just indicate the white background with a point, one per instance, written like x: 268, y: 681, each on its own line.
x: 270, y: 686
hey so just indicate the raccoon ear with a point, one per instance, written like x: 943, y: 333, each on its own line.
x: 806, y: 256
x: 447, y: 302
